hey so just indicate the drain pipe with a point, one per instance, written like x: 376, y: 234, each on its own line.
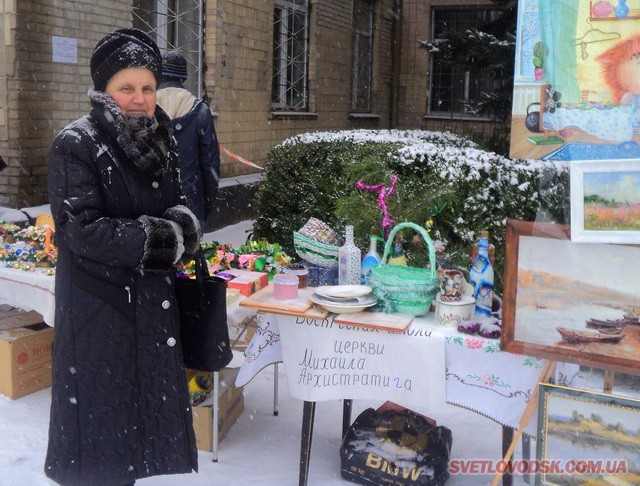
x: 396, y: 53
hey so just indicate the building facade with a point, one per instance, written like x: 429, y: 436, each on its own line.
x: 268, y: 68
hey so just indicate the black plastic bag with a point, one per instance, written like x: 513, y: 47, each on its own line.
x: 395, y: 447
x: 204, y: 334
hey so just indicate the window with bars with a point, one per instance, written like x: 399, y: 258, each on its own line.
x: 175, y: 25
x: 290, y: 55
x: 453, y: 89
x: 362, y: 46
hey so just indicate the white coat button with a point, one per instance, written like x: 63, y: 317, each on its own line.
x: 178, y: 126
x: 155, y: 184
x: 171, y: 342
x: 166, y: 304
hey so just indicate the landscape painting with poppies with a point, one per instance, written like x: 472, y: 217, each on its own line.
x: 605, y: 201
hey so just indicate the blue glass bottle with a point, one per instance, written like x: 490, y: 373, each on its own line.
x: 481, y: 276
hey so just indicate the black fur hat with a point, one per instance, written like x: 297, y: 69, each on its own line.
x: 123, y: 49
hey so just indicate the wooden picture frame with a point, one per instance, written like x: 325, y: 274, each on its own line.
x: 605, y: 201
x: 587, y: 436
x: 551, y: 282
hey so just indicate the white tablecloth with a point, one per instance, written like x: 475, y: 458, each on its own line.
x: 425, y: 366
x: 325, y: 360
x: 34, y: 290
x: 493, y: 383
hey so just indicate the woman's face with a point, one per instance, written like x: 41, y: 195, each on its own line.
x: 134, y: 91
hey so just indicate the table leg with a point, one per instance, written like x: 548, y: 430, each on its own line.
x: 308, y: 415
x: 507, y: 438
x: 216, y: 414
x: 275, y: 389
x: 347, y: 405
x: 526, y: 456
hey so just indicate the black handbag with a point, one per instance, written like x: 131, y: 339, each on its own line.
x: 202, y: 304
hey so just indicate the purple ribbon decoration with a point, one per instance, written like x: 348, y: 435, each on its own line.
x: 384, y: 193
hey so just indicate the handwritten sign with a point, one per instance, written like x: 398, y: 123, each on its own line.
x: 325, y: 360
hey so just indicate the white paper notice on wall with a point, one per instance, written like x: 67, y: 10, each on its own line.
x: 64, y: 49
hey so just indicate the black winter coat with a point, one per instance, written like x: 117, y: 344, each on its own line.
x: 120, y: 406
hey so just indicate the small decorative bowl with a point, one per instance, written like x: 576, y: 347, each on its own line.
x: 285, y: 286
x: 451, y: 314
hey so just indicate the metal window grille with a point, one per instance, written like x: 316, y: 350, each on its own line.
x: 290, y: 55
x: 176, y: 25
x: 454, y: 89
x: 362, y: 55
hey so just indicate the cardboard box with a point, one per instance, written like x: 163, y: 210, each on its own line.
x: 25, y: 354
x: 246, y: 281
x: 231, y: 403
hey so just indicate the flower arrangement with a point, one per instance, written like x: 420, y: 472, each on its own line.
x: 22, y: 254
x: 7, y: 231
x: 30, y: 234
x: 27, y: 248
x: 220, y: 256
x: 260, y: 256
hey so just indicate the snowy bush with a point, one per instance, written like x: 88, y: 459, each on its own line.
x: 442, y: 178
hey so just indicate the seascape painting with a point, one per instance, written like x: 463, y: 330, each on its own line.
x: 600, y: 431
x: 605, y: 201
x: 568, y: 301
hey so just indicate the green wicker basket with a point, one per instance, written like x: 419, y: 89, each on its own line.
x: 403, y: 289
x: 315, y: 252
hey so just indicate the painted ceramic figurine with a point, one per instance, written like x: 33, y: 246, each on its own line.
x: 397, y: 254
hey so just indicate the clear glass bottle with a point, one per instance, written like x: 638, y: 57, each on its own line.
x: 481, y: 277
x: 349, y: 258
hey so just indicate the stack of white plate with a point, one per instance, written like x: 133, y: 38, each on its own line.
x: 344, y: 299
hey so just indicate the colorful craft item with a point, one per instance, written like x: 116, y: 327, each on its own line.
x: 285, y: 286
x: 27, y: 245
x: 200, y: 387
x: 259, y: 263
x: 247, y: 261
x: 319, y: 231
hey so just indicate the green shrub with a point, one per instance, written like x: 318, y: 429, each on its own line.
x: 444, y: 181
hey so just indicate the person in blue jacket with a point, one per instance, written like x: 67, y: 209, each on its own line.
x: 196, y: 136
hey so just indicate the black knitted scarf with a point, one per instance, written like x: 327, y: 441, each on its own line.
x: 145, y: 141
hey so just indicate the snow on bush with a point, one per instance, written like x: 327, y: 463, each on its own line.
x: 306, y: 176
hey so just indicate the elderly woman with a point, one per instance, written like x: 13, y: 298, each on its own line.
x: 120, y: 406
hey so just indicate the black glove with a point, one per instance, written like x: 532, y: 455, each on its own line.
x: 190, y: 227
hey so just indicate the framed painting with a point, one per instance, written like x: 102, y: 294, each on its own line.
x: 572, y: 96
x: 587, y: 438
x: 570, y: 302
x: 605, y: 201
